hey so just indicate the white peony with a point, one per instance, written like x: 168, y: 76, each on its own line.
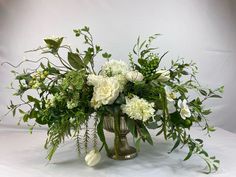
x: 184, y: 109
x: 106, y: 90
x: 92, y: 158
x: 138, y: 108
x: 164, y: 75
x: 134, y: 76
x: 114, y: 67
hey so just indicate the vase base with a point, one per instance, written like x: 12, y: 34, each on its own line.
x: 124, y: 154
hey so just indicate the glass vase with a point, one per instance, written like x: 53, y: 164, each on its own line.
x: 121, y: 150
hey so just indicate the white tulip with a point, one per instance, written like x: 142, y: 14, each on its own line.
x: 134, y: 76
x: 164, y: 75
x: 184, y: 109
x: 92, y: 158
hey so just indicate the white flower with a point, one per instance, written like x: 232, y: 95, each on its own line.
x: 114, y: 67
x: 134, y: 76
x: 92, y: 158
x: 105, y: 92
x: 71, y: 104
x: 138, y: 108
x: 122, y: 81
x: 164, y: 75
x: 170, y: 95
x: 93, y: 79
x: 184, y: 109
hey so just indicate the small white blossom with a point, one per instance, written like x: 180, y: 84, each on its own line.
x: 170, y: 95
x: 134, y: 76
x: 138, y: 108
x: 184, y: 109
x: 92, y: 158
x: 164, y: 75
x: 71, y: 104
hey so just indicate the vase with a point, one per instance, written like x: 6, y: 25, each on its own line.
x: 121, y: 150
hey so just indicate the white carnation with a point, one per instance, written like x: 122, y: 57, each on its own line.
x: 134, y: 76
x: 138, y: 108
x: 106, y: 90
x: 114, y: 67
x: 164, y: 75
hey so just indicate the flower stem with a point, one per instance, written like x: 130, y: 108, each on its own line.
x: 117, y: 134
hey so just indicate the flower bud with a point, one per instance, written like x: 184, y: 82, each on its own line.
x: 92, y: 158
x: 134, y: 76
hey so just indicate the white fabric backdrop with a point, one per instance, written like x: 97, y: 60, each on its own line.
x: 202, y: 30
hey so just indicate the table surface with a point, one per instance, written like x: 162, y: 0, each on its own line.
x: 22, y: 155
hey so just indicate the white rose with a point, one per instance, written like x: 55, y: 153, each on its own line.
x: 138, y: 108
x: 164, y: 75
x: 114, y: 67
x: 133, y: 76
x: 93, y: 79
x: 92, y: 158
x: 105, y: 92
x: 184, y: 109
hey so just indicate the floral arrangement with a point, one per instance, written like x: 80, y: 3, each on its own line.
x: 72, y: 96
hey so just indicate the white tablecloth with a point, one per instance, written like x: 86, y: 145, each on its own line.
x: 22, y: 155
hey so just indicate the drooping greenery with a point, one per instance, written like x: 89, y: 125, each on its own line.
x: 63, y: 100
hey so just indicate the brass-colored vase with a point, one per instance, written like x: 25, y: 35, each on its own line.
x: 124, y: 150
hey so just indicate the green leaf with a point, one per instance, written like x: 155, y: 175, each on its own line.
x: 101, y: 133
x: 138, y: 143
x: 54, y: 44
x: 21, y: 111
x: 75, y: 60
x: 189, y: 154
x: 106, y: 55
x: 132, y: 126
x: 203, y: 92
x: 215, y: 96
x: 146, y: 135
x: 206, y: 112
x: 142, y: 62
x: 176, y: 145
